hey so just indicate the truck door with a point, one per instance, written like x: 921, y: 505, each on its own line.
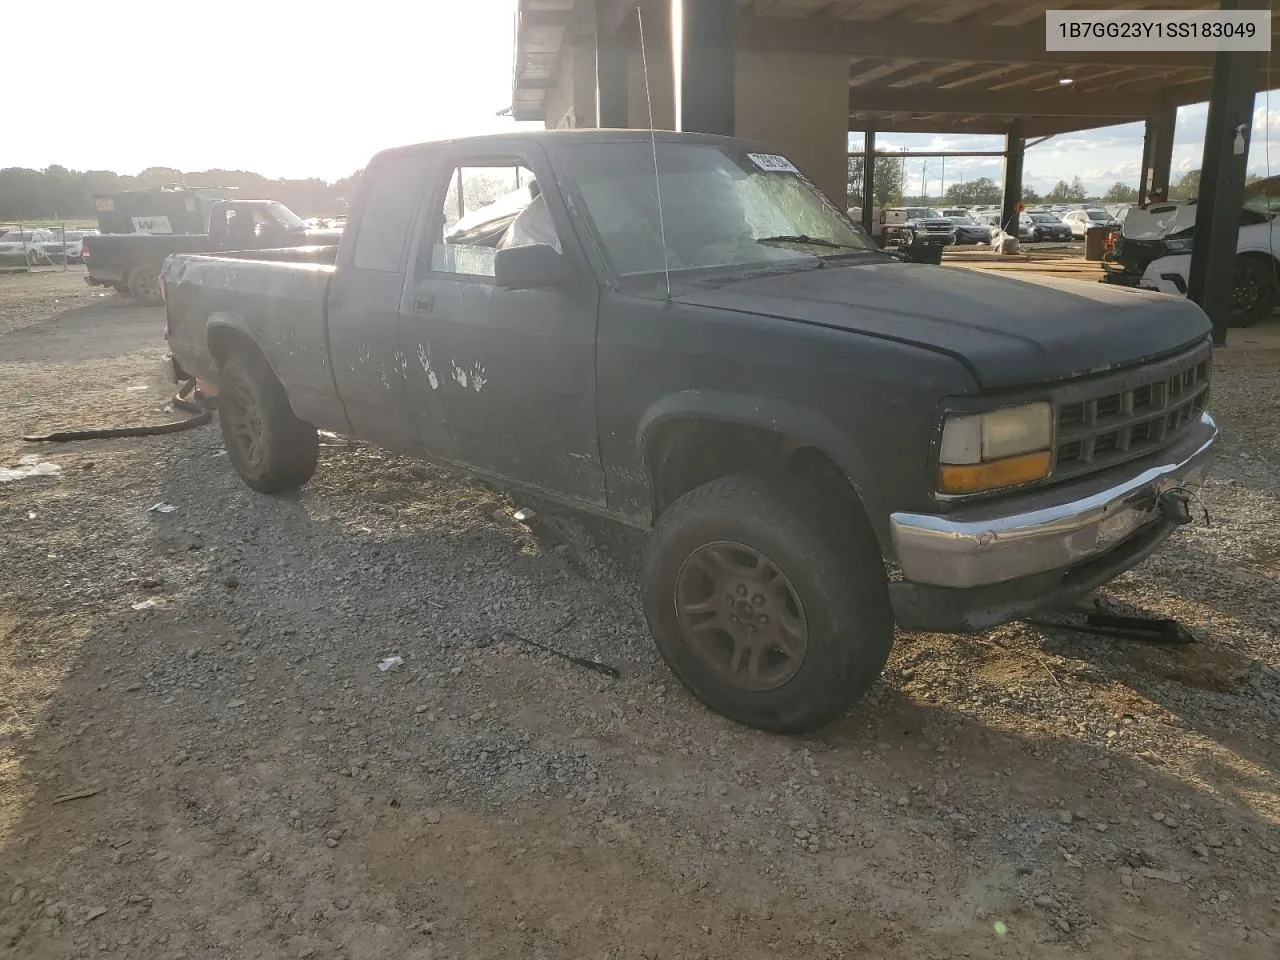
x: 513, y: 371
x: 364, y: 304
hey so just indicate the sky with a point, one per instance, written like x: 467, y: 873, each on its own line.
x: 294, y: 89
x: 280, y: 87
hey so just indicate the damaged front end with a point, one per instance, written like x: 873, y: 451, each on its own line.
x: 1130, y: 260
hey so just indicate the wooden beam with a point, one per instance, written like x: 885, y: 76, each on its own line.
x: 879, y: 72
x: 1053, y: 103
x: 936, y: 42
x: 1037, y: 127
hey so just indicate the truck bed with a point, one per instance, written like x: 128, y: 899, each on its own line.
x: 275, y: 297
x: 114, y: 255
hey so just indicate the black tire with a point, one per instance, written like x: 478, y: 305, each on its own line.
x: 144, y: 284
x: 832, y: 569
x: 1253, y: 297
x: 272, y: 450
x: 121, y: 288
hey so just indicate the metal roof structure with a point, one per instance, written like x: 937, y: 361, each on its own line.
x: 938, y: 66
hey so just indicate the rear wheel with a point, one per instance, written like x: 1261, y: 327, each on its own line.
x: 271, y: 449
x: 1253, y: 296
x: 764, y: 604
x: 122, y: 288
x: 144, y: 284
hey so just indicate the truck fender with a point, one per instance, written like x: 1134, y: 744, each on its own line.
x: 226, y: 323
x: 779, y: 416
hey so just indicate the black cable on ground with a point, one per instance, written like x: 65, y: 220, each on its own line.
x: 201, y: 406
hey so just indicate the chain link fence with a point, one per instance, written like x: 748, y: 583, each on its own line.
x: 42, y: 247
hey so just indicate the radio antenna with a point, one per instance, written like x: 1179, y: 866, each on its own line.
x: 653, y: 142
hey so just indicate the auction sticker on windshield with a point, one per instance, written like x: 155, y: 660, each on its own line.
x: 773, y: 163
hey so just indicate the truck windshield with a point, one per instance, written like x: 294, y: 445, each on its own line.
x: 720, y: 208
x: 286, y: 217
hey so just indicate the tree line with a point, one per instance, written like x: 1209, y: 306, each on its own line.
x: 983, y: 191
x: 59, y: 193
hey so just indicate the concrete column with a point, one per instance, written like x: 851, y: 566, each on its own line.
x: 572, y: 102
x: 611, y: 75
x: 703, y: 36
x: 1157, y: 156
x: 1015, y: 146
x: 1222, y: 175
x: 584, y: 82
x: 657, y: 51
x: 868, y: 177
x: 798, y: 105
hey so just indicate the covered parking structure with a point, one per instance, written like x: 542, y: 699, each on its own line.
x: 801, y: 74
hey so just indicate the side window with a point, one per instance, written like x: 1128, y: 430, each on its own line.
x: 486, y: 207
x: 387, y: 217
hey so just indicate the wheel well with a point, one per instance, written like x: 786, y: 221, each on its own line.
x: 224, y: 341
x: 1264, y: 257
x: 685, y: 454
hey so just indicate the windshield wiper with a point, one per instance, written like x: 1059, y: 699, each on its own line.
x: 815, y: 241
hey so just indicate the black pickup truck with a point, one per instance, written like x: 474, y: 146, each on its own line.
x: 825, y: 440
x: 130, y: 261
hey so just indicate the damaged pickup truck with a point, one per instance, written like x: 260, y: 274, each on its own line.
x: 825, y: 440
x: 1154, y: 252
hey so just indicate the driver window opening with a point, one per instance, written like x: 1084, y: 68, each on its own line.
x: 486, y: 209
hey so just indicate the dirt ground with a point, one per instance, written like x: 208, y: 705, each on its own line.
x: 200, y: 757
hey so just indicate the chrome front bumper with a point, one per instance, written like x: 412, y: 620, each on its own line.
x: 1056, y: 529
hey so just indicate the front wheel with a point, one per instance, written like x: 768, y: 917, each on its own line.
x: 271, y: 449
x: 1253, y: 295
x: 766, y: 606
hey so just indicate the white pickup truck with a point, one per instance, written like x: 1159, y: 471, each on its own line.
x: 1154, y: 251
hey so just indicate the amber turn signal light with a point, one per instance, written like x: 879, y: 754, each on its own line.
x: 994, y: 474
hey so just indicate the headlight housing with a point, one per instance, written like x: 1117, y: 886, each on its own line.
x: 1000, y: 448
x: 1178, y: 245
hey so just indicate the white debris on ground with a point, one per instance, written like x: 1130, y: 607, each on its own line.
x: 29, y: 466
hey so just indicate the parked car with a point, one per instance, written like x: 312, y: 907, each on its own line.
x: 969, y: 230
x: 1154, y: 251
x: 1045, y: 226
x: 796, y: 432
x: 33, y: 246
x: 919, y: 233
x: 1081, y: 220
x: 921, y: 224
x: 75, y: 244
x: 130, y: 262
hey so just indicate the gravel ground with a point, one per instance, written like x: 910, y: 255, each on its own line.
x: 200, y: 757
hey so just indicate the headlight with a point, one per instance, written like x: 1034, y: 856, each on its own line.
x: 1001, y: 448
x: 1180, y: 245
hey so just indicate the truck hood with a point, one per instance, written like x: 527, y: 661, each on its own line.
x: 1159, y: 220
x: 1008, y: 331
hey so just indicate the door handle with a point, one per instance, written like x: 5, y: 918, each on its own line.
x: 424, y: 304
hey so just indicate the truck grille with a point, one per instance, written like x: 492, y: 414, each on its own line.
x: 1127, y: 416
